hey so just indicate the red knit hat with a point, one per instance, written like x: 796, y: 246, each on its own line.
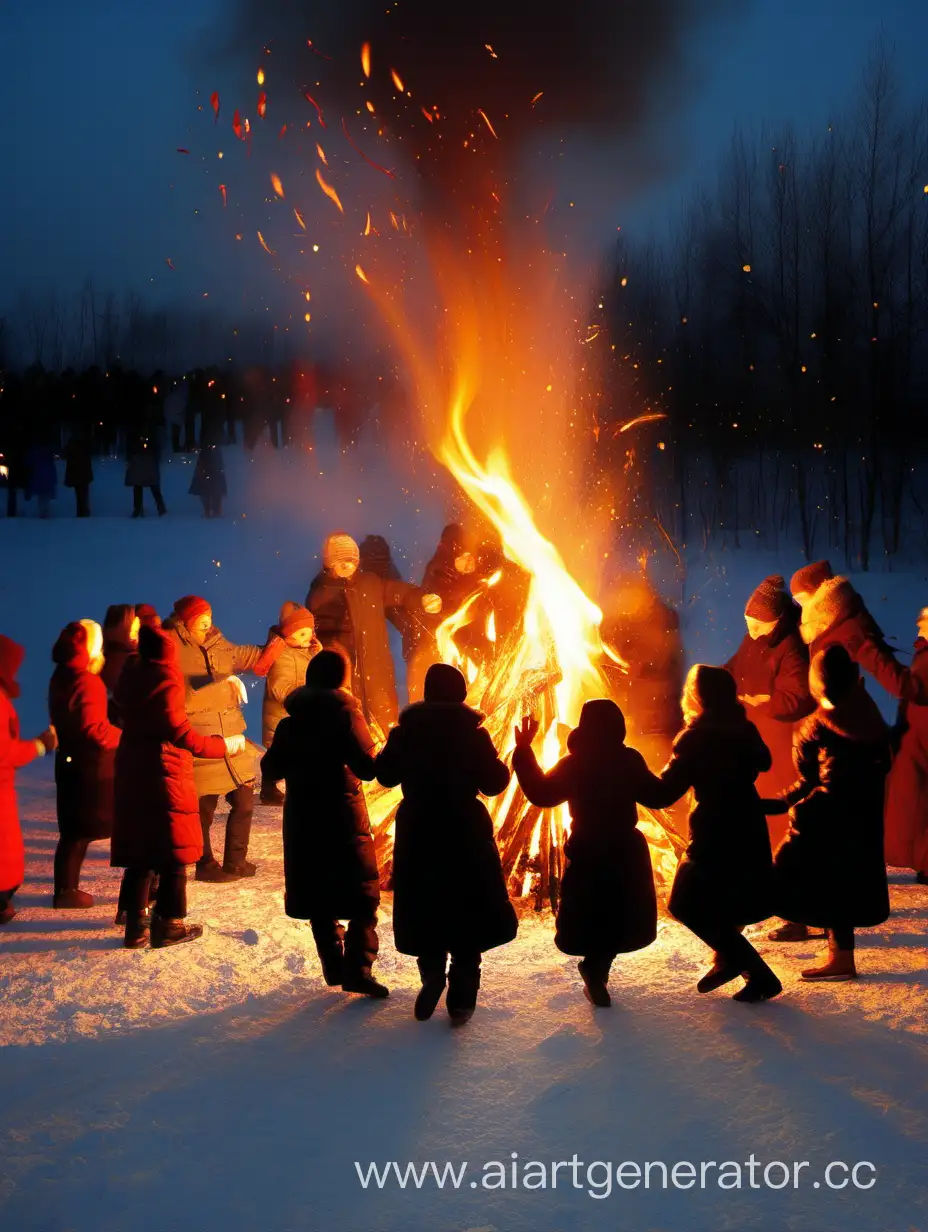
x: 769, y: 601
x: 190, y: 607
x: 808, y: 579
x: 148, y: 615
x: 293, y: 616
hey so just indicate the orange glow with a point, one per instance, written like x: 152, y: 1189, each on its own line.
x: 222, y: 189
x: 309, y: 98
x: 237, y: 126
x: 260, y: 76
x: 483, y: 116
x: 366, y: 59
x: 262, y: 105
x: 397, y: 81
x: 638, y: 421
x: 367, y: 225
x: 321, y: 152
x: 537, y: 97
x: 299, y: 217
x: 263, y: 242
x: 361, y: 274
x: 277, y: 185
x: 214, y: 103
x: 329, y: 190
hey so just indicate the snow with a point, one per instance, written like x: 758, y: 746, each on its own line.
x: 222, y: 1086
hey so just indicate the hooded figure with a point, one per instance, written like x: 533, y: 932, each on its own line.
x: 351, y: 608
x: 157, y: 822
x: 120, y: 642
x: 449, y: 892
x: 213, y: 697
x: 607, y: 905
x: 85, y: 763
x: 725, y: 879
x: 14, y: 753
x: 833, y: 612
x: 297, y: 629
x: 907, y: 789
x: 771, y: 670
x: 323, y: 750
x: 830, y: 870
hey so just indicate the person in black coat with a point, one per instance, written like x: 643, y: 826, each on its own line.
x: 725, y: 879
x: 322, y: 749
x: 607, y: 905
x: 829, y: 870
x: 449, y: 892
x: 78, y: 472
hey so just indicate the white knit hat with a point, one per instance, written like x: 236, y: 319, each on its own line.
x: 339, y: 547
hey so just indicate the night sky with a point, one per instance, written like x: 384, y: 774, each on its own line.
x: 98, y: 96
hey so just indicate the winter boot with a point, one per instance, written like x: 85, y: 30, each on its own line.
x: 428, y: 998
x: 461, y: 1015
x: 840, y: 965
x: 172, y: 932
x: 7, y: 914
x: 72, y: 900
x: 788, y: 931
x: 121, y: 917
x: 717, y: 975
x: 594, y: 985
x: 762, y: 984
x: 138, y: 931
x: 271, y: 794
x: 212, y: 870
x: 235, y: 872
x: 333, y: 970
x: 363, y: 982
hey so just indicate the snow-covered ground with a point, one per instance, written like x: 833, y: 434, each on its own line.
x: 221, y: 1086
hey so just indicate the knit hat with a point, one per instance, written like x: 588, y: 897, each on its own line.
x: 294, y: 616
x: 444, y: 683
x: 339, y: 547
x: 11, y: 657
x: 833, y: 673
x: 148, y: 615
x: 190, y: 607
x: 769, y: 601
x: 808, y: 579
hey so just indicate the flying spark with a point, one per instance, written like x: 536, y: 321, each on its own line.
x: 329, y: 190
x: 366, y: 59
x: 277, y: 185
x: 263, y: 242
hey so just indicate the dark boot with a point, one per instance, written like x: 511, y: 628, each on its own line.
x: 463, y: 986
x: 594, y: 982
x: 72, y: 900
x: 434, y: 978
x: 138, y: 931
x: 235, y: 872
x: 212, y: 870
x: 172, y: 932
x: 789, y: 931
x: 719, y: 973
x: 363, y: 982
x: 762, y: 984
x: 7, y: 913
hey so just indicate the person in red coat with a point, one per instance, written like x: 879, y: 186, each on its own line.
x: 85, y: 763
x: 906, y: 818
x: 14, y: 753
x: 833, y: 612
x: 120, y: 640
x: 157, y: 816
x: 771, y: 670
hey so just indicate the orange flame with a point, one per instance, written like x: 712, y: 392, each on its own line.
x: 483, y: 116
x: 214, y: 103
x: 366, y: 59
x: 321, y: 152
x: 299, y: 217
x: 263, y: 242
x: 260, y: 76
x: 262, y: 105
x: 277, y: 185
x: 397, y: 81
x: 361, y: 274
x: 222, y: 189
x: 329, y: 190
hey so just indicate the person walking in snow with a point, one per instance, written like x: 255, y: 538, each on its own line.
x: 607, y: 903
x: 449, y: 893
x: 350, y: 610
x: 214, y: 696
x: 829, y: 871
x: 297, y: 628
x: 725, y: 879
x: 14, y: 754
x: 143, y: 470
x: 906, y: 817
x: 157, y: 830
x: 322, y: 749
x: 86, y: 758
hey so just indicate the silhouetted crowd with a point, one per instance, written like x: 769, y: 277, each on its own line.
x: 798, y: 792
x: 97, y: 413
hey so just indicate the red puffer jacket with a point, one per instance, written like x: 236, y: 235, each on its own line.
x: 13, y: 754
x: 157, y: 812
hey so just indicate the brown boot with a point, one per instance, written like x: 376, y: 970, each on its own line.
x: 839, y: 965
x: 788, y: 931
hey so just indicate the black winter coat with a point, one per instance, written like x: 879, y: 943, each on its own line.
x: 449, y: 891
x: 85, y: 764
x: 728, y: 867
x: 608, y: 904
x: 829, y: 870
x: 322, y: 750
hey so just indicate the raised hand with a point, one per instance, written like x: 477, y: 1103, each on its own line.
x: 526, y: 732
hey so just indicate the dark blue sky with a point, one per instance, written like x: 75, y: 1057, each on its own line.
x: 97, y: 97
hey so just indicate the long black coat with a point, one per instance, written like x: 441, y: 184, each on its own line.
x: 608, y: 904
x: 322, y: 750
x: 829, y: 870
x: 85, y: 764
x: 728, y: 868
x: 449, y: 891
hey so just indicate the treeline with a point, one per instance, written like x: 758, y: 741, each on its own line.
x: 782, y: 327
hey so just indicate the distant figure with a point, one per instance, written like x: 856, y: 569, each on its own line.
x: 78, y: 472
x: 725, y: 880
x: 449, y: 894
x: 829, y: 871
x: 209, y: 480
x: 144, y: 471
x: 14, y: 754
x: 907, y: 789
x: 608, y: 905
x: 175, y: 408
x: 86, y: 758
x: 42, y: 480
x: 323, y: 749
